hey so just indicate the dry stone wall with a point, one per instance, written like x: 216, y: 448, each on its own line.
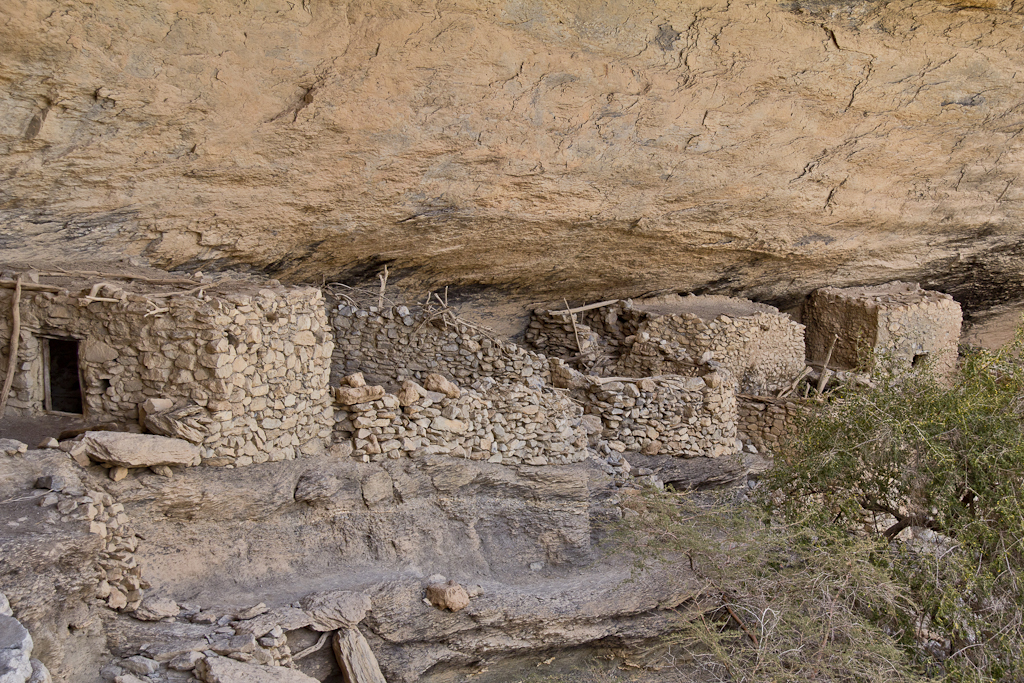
x: 668, y: 415
x: 765, y: 422
x: 254, y: 364
x: 395, y: 343
x: 509, y: 424
x: 761, y: 347
x: 765, y: 351
x: 499, y: 406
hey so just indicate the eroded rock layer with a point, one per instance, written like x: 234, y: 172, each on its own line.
x: 572, y: 148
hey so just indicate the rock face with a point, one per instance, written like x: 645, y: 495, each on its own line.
x: 759, y: 149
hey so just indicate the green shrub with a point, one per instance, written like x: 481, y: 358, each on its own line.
x: 920, y: 454
x: 780, y: 602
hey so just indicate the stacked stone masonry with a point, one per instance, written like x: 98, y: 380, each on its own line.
x: 898, y: 324
x: 762, y: 348
x: 764, y: 422
x: 398, y: 342
x: 254, y: 364
x: 509, y: 424
x: 507, y: 412
x: 668, y: 415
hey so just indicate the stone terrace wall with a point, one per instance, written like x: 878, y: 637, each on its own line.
x: 507, y: 424
x: 400, y: 342
x: 670, y: 415
x: 256, y: 363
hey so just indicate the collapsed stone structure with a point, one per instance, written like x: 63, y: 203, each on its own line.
x: 246, y: 366
x: 897, y: 323
x: 671, y: 334
x: 513, y: 411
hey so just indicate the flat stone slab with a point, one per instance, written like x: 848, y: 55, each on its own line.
x: 138, y: 450
x: 224, y: 670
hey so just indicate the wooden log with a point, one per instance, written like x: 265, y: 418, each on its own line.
x: 358, y: 665
x: 825, y: 372
x: 588, y: 307
x: 117, y: 276
x: 12, y: 359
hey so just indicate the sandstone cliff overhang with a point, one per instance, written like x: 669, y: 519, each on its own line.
x: 579, y: 149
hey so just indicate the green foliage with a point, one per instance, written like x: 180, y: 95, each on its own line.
x: 946, y: 456
x: 778, y: 602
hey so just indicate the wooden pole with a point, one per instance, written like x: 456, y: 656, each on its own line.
x: 588, y: 307
x: 825, y: 372
x: 575, y: 330
x: 12, y: 359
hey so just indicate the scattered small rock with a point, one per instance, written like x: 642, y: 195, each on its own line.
x: 12, y: 447
x: 156, y: 608
x: 451, y: 596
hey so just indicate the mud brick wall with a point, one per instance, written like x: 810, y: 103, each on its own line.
x: 897, y: 323
x: 257, y: 362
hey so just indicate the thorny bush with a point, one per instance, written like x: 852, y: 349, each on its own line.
x: 933, y: 468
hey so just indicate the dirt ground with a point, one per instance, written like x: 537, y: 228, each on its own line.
x: 34, y: 429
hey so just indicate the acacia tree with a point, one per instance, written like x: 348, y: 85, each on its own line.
x: 943, y: 455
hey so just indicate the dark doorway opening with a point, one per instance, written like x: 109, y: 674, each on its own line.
x: 61, y: 378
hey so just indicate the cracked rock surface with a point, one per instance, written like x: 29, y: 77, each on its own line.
x: 592, y: 149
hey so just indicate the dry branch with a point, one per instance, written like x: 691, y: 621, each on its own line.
x: 575, y: 330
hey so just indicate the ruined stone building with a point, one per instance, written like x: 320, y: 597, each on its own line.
x: 898, y: 324
x: 246, y: 366
x: 246, y: 369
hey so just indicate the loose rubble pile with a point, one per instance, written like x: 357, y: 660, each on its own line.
x: 253, y: 365
x: 117, y: 574
x: 252, y: 645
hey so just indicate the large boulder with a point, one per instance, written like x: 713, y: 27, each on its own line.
x: 15, y: 651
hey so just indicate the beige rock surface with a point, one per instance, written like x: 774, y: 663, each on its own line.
x: 224, y: 670
x: 138, y: 450
x: 578, y: 148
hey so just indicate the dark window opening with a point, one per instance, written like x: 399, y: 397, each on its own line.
x: 919, y: 360
x: 63, y: 386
